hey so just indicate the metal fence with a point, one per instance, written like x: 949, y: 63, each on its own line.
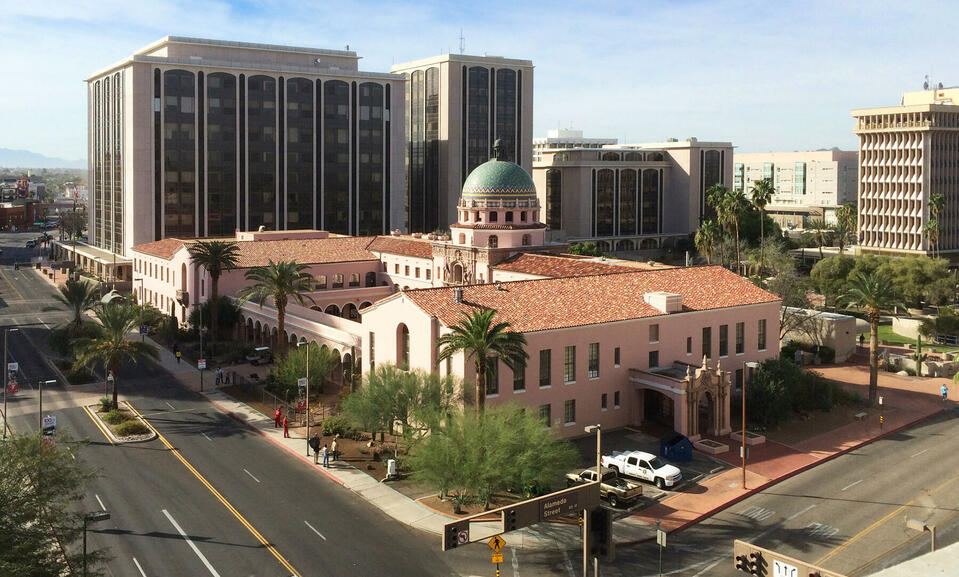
x: 257, y: 389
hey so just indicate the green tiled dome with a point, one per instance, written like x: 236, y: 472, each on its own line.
x: 499, y: 180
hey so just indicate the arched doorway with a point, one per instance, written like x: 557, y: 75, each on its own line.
x: 706, y: 414
x: 257, y: 334
x: 333, y: 310
x: 647, y: 243
x: 403, y: 346
x: 350, y: 312
x: 347, y: 368
x: 457, y: 273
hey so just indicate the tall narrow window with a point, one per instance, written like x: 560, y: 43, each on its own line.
x: 492, y: 375
x: 616, y: 399
x: 544, y: 415
x: 602, y: 402
x: 544, y: 367
x: 569, y: 365
x: 372, y: 350
x: 569, y: 411
x: 404, y: 338
x: 554, y: 199
x: 689, y: 345
x: 762, y: 335
x: 594, y: 360
x: 616, y: 356
x: 740, y: 338
x: 654, y: 333
x: 653, y: 359
x: 262, y: 137
x: 708, y: 342
x: 519, y: 379
x: 723, y: 340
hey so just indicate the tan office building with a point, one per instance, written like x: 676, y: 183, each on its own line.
x: 808, y: 184
x: 907, y: 153
x: 631, y: 196
x: 191, y: 137
x: 457, y: 106
x: 566, y: 138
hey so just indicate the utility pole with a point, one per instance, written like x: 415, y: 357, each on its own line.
x: 5, y: 380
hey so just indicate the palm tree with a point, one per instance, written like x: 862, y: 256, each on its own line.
x: 730, y: 206
x: 937, y: 202
x: 875, y: 293
x: 216, y: 256
x: 707, y: 237
x: 112, y: 347
x: 79, y: 296
x: 931, y: 232
x: 762, y: 194
x: 845, y: 224
x: 477, y: 337
x: 819, y: 229
x: 280, y: 281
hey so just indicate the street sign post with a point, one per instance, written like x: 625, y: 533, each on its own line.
x: 496, y: 543
x: 49, y: 426
x: 13, y: 367
x: 201, y: 364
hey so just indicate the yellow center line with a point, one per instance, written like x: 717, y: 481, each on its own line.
x: 98, y: 425
x: 220, y: 497
x: 868, y: 529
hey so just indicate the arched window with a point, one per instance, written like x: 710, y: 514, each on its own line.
x: 522, y: 216
x: 610, y: 156
x: 337, y: 281
x: 509, y: 216
x: 633, y: 156
x: 493, y: 216
x: 492, y: 241
x: 355, y: 279
x: 527, y: 240
x: 333, y: 310
x: 371, y: 279
x: 321, y: 281
x: 403, y: 346
x: 655, y: 157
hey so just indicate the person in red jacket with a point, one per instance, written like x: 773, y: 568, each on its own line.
x: 276, y: 418
x: 286, y: 428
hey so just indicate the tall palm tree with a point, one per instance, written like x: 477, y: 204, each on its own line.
x: 937, y: 202
x: 80, y: 296
x: 112, y: 347
x: 931, y: 231
x: 215, y: 256
x: 819, y: 230
x: 477, y: 337
x: 730, y: 207
x: 845, y: 224
x: 875, y: 294
x: 707, y: 237
x: 762, y: 194
x: 280, y: 281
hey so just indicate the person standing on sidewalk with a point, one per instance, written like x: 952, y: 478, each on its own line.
x: 286, y: 428
x: 178, y: 355
x: 276, y: 418
x: 334, y: 447
x: 324, y: 452
x: 945, y: 392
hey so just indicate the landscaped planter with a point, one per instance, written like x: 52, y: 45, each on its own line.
x: 710, y: 446
x: 751, y: 438
x: 115, y: 431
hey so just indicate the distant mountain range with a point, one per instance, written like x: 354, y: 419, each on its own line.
x: 10, y: 158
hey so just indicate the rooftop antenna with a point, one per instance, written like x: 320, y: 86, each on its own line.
x: 462, y: 42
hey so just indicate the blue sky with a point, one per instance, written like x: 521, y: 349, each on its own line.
x: 764, y: 75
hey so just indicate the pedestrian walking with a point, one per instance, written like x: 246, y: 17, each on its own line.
x: 178, y: 355
x: 334, y: 447
x: 945, y: 392
x: 286, y: 428
x: 219, y: 376
x: 325, y: 453
x: 862, y: 340
x: 276, y: 418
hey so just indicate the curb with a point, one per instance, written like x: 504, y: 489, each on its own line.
x: 790, y: 474
x: 91, y: 410
x: 302, y: 457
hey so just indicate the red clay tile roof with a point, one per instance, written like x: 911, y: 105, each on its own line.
x: 402, y: 245
x: 537, y: 305
x: 553, y: 266
x: 165, y: 248
x: 305, y: 251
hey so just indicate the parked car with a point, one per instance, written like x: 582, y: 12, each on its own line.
x: 31, y: 243
x: 260, y: 355
x: 644, y: 466
x: 613, y: 488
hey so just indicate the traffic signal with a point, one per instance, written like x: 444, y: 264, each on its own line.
x: 757, y: 564
x: 601, y: 534
x: 450, y: 537
x: 742, y: 563
x: 509, y: 520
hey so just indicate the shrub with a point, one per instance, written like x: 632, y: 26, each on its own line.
x: 106, y: 403
x: 80, y: 377
x: 116, y: 416
x: 131, y: 427
x: 337, y: 425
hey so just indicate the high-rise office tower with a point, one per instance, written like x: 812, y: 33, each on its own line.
x: 193, y: 138
x: 457, y: 106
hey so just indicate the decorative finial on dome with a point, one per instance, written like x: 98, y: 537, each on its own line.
x: 499, y: 151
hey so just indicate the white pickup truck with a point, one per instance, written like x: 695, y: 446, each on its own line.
x: 644, y: 466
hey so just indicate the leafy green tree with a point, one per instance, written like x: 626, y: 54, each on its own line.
x: 587, y: 248
x: 792, y: 289
x: 73, y: 224
x: 820, y: 231
x: 831, y: 275
x: 228, y: 315
x: 112, y: 347
x: 283, y: 378
x: 415, y: 400
x: 80, y: 296
x: 707, y: 237
x: 216, y: 257
x: 39, y: 488
x: 875, y: 294
x: 761, y: 195
x: 280, y: 281
x: 478, y: 338
x: 913, y: 275
x: 506, y: 448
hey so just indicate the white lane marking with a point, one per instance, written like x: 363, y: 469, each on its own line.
x: 137, y: 563
x: 99, y: 501
x: 515, y: 563
x: 191, y: 544
x: 172, y: 408
x: 919, y: 453
x: 708, y: 567
x: 207, y: 438
x: 314, y: 530
x: 820, y: 530
x: 852, y: 484
x: 794, y: 515
x: 45, y: 325
x: 780, y: 524
x: 251, y: 475
x: 568, y: 564
x: 757, y: 513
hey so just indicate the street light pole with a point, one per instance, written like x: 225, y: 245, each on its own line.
x: 598, y: 429
x: 299, y: 344
x: 5, y: 379
x: 750, y: 365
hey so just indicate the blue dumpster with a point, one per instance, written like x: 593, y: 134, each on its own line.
x: 676, y: 447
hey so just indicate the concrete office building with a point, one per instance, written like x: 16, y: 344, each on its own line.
x: 457, y: 106
x: 907, y: 153
x: 631, y: 196
x: 191, y: 138
x: 566, y: 138
x: 808, y: 184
